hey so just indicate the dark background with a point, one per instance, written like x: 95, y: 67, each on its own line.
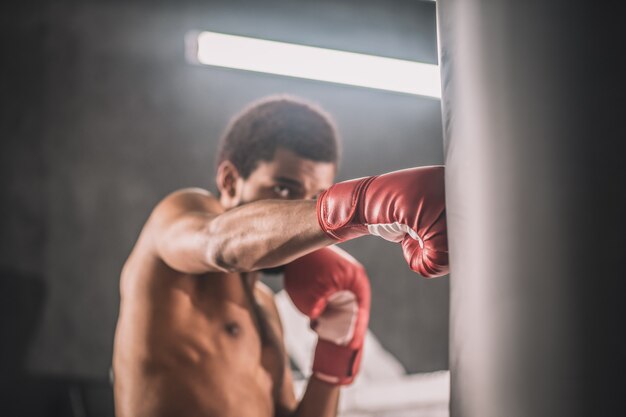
x: 101, y: 117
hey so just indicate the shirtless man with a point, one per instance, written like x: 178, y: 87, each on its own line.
x: 199, y: 335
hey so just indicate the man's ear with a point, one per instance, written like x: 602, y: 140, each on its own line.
x: 228, y: 180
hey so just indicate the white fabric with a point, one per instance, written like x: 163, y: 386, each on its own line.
x: 410, y: 391
x: 423, y: 395
x: 337, y: 322
x: 394, y: 232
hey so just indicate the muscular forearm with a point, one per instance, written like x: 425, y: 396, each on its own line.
x: 264, y: 234
x: 320, y: 400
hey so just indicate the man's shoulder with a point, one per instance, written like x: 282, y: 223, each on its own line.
x: 191, y: 195
x: 187, y: 200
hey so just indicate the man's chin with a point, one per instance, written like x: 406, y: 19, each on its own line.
x: 277, y: 270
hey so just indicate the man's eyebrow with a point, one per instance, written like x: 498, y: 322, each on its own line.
x: 289, y: 180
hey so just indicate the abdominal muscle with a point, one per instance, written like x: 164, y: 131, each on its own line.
x: 189, y: 346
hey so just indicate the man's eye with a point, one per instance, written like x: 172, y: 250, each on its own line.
x: 282, y: 191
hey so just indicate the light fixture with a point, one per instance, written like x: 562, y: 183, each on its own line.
x: 313, y: 63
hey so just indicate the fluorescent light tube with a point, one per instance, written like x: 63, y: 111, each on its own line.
x: 314, y: 63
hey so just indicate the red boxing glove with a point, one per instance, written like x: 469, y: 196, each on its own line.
x: 332, y: 289
x: 405, y: 206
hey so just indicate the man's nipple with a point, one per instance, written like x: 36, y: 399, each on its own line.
x: 232, y: 328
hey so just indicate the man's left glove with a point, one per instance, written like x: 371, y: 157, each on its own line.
x: 332, y: 289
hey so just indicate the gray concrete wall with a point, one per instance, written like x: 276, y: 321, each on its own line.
x: 113, y: 119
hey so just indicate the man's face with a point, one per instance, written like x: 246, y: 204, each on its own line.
x: 288, y: 176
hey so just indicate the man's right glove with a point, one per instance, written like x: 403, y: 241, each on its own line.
x: 405, y: 206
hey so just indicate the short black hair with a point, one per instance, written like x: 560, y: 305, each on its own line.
x: 278, y: 121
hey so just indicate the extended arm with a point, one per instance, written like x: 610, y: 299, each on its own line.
x: 190, y: 231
